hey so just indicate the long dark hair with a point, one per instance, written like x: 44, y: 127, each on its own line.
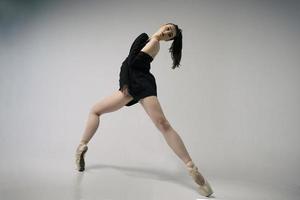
x: 176, y: 47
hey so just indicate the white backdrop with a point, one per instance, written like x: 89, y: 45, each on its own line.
x: 234, y: 100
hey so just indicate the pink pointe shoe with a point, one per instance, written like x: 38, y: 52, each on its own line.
x: 204, y: 187
x: 79, y: 156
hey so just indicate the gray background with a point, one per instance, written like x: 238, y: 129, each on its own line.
x: 234, y: 100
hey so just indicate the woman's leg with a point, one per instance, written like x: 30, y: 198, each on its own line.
x: 108, y: 104
x: 154, y: 110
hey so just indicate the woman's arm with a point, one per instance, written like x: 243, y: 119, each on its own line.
x: 152, y: 47
x: 135, y: 47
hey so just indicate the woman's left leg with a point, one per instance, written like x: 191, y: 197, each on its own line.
x: 154, y: 111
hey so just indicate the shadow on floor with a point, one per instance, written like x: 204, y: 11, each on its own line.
x: 155, y: 174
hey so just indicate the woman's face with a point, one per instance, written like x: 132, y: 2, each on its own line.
x: 166, y: 32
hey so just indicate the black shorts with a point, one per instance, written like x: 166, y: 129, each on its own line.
x: 139, y: 82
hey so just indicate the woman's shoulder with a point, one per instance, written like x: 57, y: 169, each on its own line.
x: 152, y: 47
x: 142, y: 36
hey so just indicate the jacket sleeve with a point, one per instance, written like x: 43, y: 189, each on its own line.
x: 134, y: 49
x: 137, y: 44
x: 124, y: 74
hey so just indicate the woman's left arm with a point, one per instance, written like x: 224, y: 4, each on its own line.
x: 152, y: 47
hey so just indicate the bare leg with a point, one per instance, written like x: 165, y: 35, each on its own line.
x: 176, y: 143
x: 108, y: 104
x: 154, y: 110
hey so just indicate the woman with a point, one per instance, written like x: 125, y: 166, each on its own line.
x: 137, y: 84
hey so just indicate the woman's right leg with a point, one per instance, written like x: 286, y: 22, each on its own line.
x: 108, y: 104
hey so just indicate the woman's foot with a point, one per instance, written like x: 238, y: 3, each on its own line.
x: 204, y: 187
x: 79, y: 156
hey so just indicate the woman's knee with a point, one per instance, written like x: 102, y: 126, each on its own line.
x: 103, y: 107
x: 110, y: 103
x: 163, y: 124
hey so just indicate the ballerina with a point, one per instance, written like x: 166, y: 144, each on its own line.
x: 137, y: 84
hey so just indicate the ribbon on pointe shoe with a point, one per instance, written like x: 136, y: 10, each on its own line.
x: 204, y: 187
x: 82, y: 148
x: 193, y: 171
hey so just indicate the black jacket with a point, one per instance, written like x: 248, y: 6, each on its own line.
x: 135, y: 48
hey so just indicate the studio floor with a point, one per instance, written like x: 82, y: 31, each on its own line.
x: 115, y: 182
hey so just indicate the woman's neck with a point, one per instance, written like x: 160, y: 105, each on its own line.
x: 154, y: 37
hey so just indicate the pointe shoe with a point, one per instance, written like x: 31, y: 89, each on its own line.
x: 204, y: 187
x: 79, y: 156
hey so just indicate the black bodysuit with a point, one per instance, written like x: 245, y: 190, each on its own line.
x: 135, y: 73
